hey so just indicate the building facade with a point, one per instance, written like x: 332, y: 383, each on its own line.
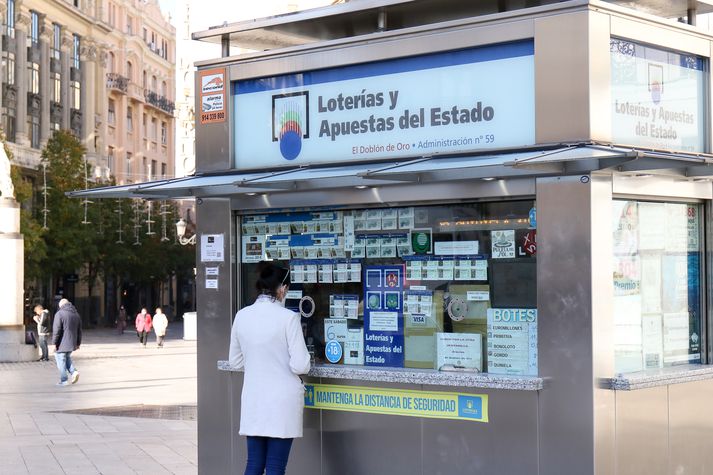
x: 104, y: 70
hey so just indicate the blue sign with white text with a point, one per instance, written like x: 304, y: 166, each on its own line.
x: 383, y: 316
x: 333, y: 351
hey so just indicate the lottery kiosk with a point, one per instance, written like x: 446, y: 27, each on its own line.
x: 494, y: 220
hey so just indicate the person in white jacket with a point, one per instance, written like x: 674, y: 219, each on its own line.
x: 160, y: 324
x: 267, y: 341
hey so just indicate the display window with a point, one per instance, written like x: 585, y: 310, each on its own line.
x: 657, y: 276
x: 444, y: 287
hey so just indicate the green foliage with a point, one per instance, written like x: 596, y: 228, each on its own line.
x: 70, y: 244
x: 85, y: 235
x: 30, y: 226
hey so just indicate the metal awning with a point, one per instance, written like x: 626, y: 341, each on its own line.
x: 118, y: 191
x: 533, y: 162
x: 363, y: 17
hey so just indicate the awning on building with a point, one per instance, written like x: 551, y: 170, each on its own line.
x: 344, y: 20
x: 560, y: 160
x: 118, y: 191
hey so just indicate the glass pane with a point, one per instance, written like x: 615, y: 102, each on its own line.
x: 433, y: 287
x: 657, y: 276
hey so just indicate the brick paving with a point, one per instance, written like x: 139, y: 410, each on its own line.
x: 117, y: 375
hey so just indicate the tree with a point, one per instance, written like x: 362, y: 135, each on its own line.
x: 96, y: 239
x: 71, y: 239
x: 35, y: 249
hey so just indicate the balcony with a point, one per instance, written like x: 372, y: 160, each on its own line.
x: 55, y: 66
x: 157, y: 51
x: 8, y: 39
x: 55, y: 112
x: 34, y: 103
x: 9, y: 95
x: 117, y: 82
x: 159, y: 102
x: 75, y: 122
x: 33, y: 51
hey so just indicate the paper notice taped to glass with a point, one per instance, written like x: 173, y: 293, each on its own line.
x: 212, y: 248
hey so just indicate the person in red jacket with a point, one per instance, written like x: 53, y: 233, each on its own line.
x: 143, y: 326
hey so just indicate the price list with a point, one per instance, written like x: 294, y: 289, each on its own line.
x: 512, y: 341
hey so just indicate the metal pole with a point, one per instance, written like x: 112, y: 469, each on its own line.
x: 691, y: 14
x: 381, y: 21
x: 225, y: 46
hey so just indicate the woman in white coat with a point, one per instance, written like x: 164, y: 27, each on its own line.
x: 160, y: 324
x: 267, y: 341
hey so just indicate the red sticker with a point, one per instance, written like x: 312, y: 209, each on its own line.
x: 530, y: 243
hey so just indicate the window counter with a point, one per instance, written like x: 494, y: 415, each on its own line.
x: 417, y: 376
x: 661, y: 377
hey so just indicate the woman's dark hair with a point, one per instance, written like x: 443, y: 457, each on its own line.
x: 270, y: 277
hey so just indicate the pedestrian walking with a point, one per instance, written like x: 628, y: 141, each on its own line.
x: 121, y: 323
x: 67, y: 331
x: 42, y: 319
x: 160, y: 324
x: 143, y: 326
x: 266, y: 340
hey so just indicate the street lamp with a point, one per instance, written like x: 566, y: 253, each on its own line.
x: 181, y: 233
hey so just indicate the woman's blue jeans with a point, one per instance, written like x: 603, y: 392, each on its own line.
x: 267, y: 455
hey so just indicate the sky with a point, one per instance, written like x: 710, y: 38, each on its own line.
x: 230, y: 11
x: 207, y: 13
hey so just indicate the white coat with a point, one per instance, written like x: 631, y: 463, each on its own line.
x: 267, y: 341
x: 160, y: 323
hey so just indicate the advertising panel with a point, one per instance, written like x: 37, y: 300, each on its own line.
x: 398, y: 402
x: 464, y: 100
x: 212, y: 94
x: 383, y: 316
x: 657, y: 97
x: 512, y: 341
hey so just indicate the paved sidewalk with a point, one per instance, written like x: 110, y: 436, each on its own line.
x: 39, y: 436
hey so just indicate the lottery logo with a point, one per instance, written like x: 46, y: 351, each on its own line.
x: 392, y: 279
x: 290, y: 122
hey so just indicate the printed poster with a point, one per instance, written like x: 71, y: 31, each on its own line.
x: 503, y: 244
x: 253, y: 249
x: 383, y: 316
x: 212, y: 95
x: 512, y: 341
x: 212, y: 248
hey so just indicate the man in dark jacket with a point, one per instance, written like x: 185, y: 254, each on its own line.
x: 42, y: 319
x: 67, y: 331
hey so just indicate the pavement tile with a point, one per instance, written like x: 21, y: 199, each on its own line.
x: 123, y: 424
x: 5, y: 425
x: 173, y: 425
x: 48, y: 424
x: 72, y: 424
x: 23, y: 441
x: 186, y: 449
x: 7, y: 469
x: 164, y: 454
x: 36, y: 437
x: 23, y: 424
x: 113, y: 466
x: 12, y: 460
x: 40, y: 460
x: 97, y: 424
x: 95, y: 448
x: 181, y: 470
x: 144, y: 464
x: 72, y: 460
